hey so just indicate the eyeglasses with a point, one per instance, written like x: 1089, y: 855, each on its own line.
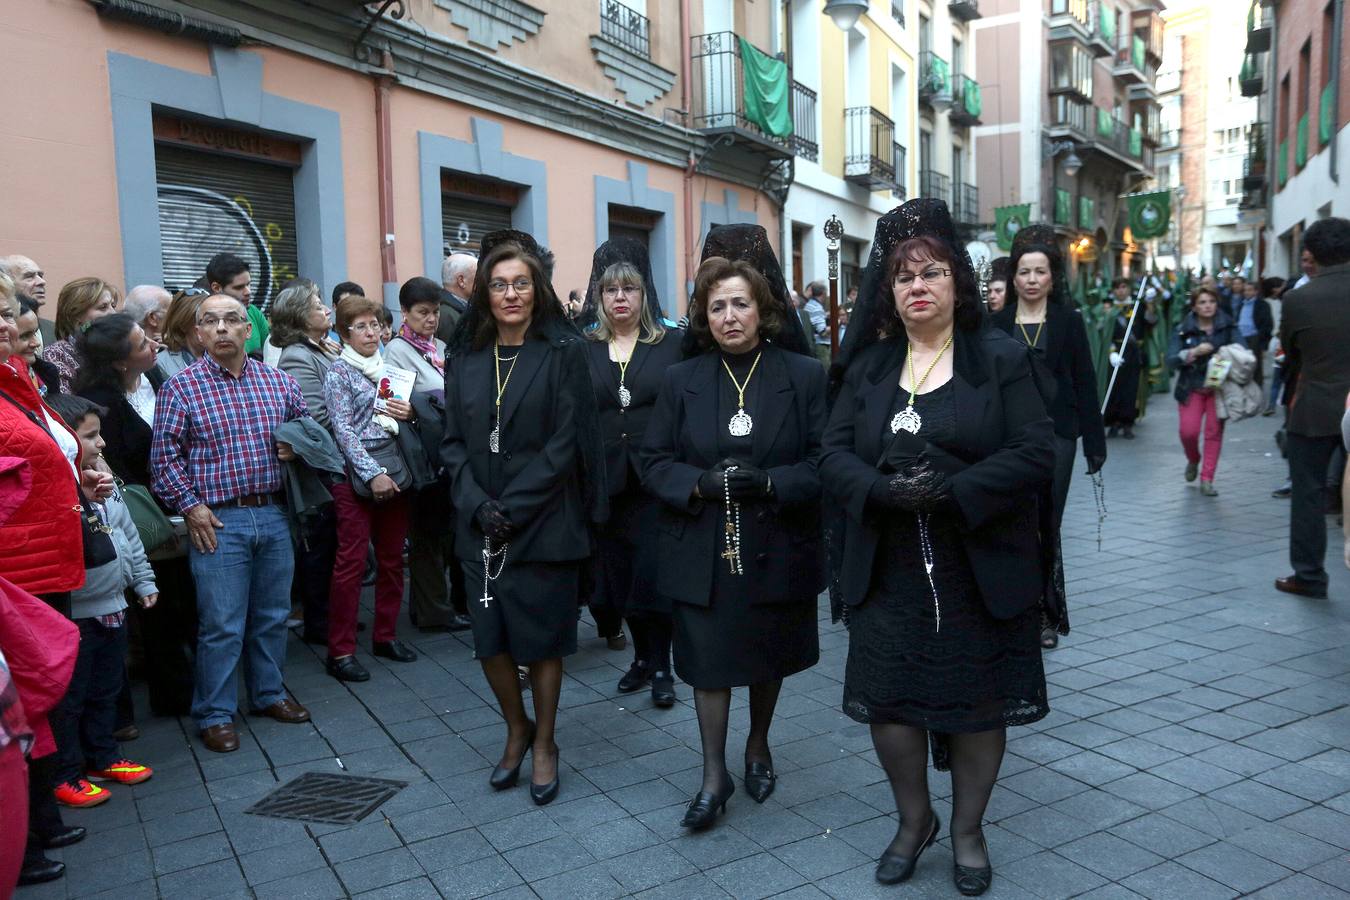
x: 628, y: 290
x: 498, y: 287
x: 905, y: 280
x: 365, y: 328
x: 232, y: 320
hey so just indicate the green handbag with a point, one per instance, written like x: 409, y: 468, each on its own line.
x: 154, y: 527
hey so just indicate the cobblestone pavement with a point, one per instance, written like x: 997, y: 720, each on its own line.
x: 1196, y: 749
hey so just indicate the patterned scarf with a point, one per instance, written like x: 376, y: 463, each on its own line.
x: 424, y: 346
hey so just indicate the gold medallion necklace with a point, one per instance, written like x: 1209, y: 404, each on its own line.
x: 495, y: 438
x: 909, y: 418
x: 741, y: 424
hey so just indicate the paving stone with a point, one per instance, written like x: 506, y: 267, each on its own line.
x: 551, y: 857
x: 1166, y: 837
x: 1109, y: 856
x: 1300, y: 887
x: 1195, y: 774
x: 1173, y: 880
x: 753, y: 877
x: 480, y: 878
x: 379, y: 870
x: 1305, y: 781
x: 648, y: 868
x: 821, y: 856
x: 1050, y: 875
x: 359, y: 840
x: 1260, y: 800
x: 1230, y: 864
x: 1324, y: 824
x: 1285, y: 846
x: 412, y: 889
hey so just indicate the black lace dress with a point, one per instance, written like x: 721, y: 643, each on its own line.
x: 946, y: 666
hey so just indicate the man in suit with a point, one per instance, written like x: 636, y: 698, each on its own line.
x: 457, y: 274
x: 1314, y: 331
x: 1256, y: 322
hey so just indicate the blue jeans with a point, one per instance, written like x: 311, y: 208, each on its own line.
x: 243, y: 599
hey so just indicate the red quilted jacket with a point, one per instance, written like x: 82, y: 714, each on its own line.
x: 42, y: 540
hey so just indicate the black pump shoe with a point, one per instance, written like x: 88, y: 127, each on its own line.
x: 759, y: 781
x: 663, y: 689
x: 395, y: 650
x: 893, y: 868
x: 705, y: 806
x: 347, y: 669
x: 503, y: 777
x: 543, y: 794
x: 638, y: 674
x: 972, y: 881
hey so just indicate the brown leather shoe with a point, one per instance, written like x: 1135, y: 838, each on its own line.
x: 220, y: 738
x: 285, y: 710
x: 1291, y: 584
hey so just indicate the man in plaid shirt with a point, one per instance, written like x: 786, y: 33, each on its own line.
x: 215, y: 461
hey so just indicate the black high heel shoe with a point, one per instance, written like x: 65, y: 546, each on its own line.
x: 543, y: 794
x: 893, y: 868
x: 759, y: 781
x: 705, y: 806
x: 972, y: 881
x: 503, y: 777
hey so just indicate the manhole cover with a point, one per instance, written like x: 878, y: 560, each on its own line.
x: 323, y: 797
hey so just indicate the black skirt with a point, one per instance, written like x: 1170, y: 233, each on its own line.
x: 623, y: 559
x: 532, y: 613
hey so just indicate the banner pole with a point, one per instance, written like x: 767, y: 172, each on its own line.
x: 1129, y: 327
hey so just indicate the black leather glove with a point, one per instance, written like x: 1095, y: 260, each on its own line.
x: 492, y: 518
x: 917, y: 488
x: 712, y: 483
x: 746, y: 483
x: 1095, y: 464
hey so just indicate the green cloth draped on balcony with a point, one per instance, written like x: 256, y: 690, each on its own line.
x: 972, y: 100
x: 1106, y: 125
x: 1106, y: 22
x: 766, y: 92
x: 1136, y: 142
x: 1282, y: 163
x: 1087, y: 215
x: 1248, y: 70
x: 938, y: 78
x: 1326, y: 114
x: 1063, y: 207
x: 1137, y: 52
x: 1301, y: 142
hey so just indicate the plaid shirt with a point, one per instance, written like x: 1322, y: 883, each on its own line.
x: 213, y: 432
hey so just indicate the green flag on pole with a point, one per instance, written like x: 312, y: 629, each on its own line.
x: 1150, y: 214
x: 1008, y: 220
x: 766, y: 91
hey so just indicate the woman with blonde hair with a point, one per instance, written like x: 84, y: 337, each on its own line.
x: 81, y: 301
x: 182, y: 346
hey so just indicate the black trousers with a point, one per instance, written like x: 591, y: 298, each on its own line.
x: 44, y: 816
x: 315, y: 556
x: 1257, y: 346
x: 169, y: 635
x: 1309, y: 458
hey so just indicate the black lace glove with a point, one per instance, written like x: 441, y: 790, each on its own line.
x: 492, y: 518
x: 917, y: 488
x: 746, y: 483
x: 1095, y: 464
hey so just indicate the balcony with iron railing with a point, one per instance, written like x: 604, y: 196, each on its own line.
x: 1069, y: 117
x: 1119, y: 140
x: 869, y: 160
x: 901, y: 171
x: 1102, y: 29
x: 1251, y: 77
x: 934, y: 184
x: 626, y: 27
x: 803, y: 138
x: 1259, y: 27
x: 1130, y: 62
x: 1254, y: 166
x: 967, y: 103
x: 718, y: 96
x: 964, y: 10
x: 965, y: 203
x: 935, y: 78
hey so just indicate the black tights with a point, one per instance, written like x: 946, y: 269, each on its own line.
x: 546, y: 687
x: 975, y: 761
x: 651, y: 639
x: 714, y: 709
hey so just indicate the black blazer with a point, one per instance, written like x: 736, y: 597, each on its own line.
x: 126, y: 434
x: 623, y: 429
x: 781, y: 537
x: 540, y: 459
x: 1004, y: 461
x: 1315, y: 334
x: 1262, y: 317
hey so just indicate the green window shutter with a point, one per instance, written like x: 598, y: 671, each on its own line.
x: 1105, y: 124
x: 1063, y: 207
x: 1087, y: 217
x: 1106, y: 22
x: 1326, y: 114
x: 1136, y: 142
x: 1301, y: 142
x: 1282, y: 163
x: 1137, y: 52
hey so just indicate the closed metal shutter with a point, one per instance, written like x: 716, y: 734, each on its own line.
x: 465, y: 221
x: 210, y: 203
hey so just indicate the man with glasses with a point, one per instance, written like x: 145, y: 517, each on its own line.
x: 216, y: 462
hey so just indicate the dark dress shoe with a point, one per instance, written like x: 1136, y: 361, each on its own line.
x: 759, y: 781
x: 663, y: 690
x: 705, y: 806
x: 347, y: 669
x: 543, y: 794
x: 126, y: 733
x: 1291, y: 584
x: 972, y: 881
x: 459, y: 622
x: 285, y: 710
x: 893, y: 868
x: 395, y: 650
x: 638, y: 674
x: 503, y: 777
x: 220, y: 738
x: 71, y: 834
x: 42, y: 871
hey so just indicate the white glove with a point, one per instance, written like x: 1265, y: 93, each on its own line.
x: 1151, y: 294
x: 1116, y: 360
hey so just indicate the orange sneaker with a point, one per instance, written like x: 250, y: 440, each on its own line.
x: 123, y: 771
x: 80, y: 794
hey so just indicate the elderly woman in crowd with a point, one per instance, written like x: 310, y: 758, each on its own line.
x: 182, y: 345
x: 731, y: 454
x: 371, y: 506
x: 940, y: 453
x: 81, y: 301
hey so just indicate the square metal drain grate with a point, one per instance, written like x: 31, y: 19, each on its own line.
x: 331, y: 799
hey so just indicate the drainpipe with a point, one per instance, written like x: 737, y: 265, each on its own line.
x: 385, y: 181
x: 685, y: 105
x: 1336, y: 84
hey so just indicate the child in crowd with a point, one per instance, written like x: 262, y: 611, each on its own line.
x: 85, y: 721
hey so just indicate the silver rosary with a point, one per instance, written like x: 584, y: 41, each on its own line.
x: 1099, y: 494
x: 926, y: 548
x: 488, y: 577
x: 732, y: 554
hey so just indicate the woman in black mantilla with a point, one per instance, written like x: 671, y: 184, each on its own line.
x: 731, y: 453
x: 1040, y: 314
x: 630, y: 350
x: 522, y: 449
x: 940, y: 453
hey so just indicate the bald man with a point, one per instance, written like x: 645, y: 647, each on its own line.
x: 148, y: 304
x: 29, y: 279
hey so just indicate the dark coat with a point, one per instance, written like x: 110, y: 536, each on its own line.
x: 452, y: 310
x: 1075, y: 407
x: 998, y: 476
x: 1262, y: 317
x: 781, y: 537
x: 1315, y: 334
x: 1191, y: 375
x: 539, y: 466
x: 127, y: 435
x: 623, y: 429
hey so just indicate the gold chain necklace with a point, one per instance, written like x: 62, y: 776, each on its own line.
x: 909, y: 418
x: 495, y: 438
x: 741, y: 424
x: 1031, y: 341
x: 625, y: 396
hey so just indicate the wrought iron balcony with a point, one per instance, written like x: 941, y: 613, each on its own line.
x: 1102, y: 34
x: 1130, y: 63
x: 1251, y: 77
x: 967, y: 103
x: 803, y: 139
x: 901, y: 171
x: 1254, y: 167
x: 935, y: 78
x: 870, y: 155
x: 626, y: 27
x: 1258, y: 29
x: 934, y: 184
x: 718, y: 92
x: 965, y: 10
x: 965, y: 203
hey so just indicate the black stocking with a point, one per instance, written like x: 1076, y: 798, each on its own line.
x: 713, y: 707
x: 763, y: 699
x: 546, y: 687
x: 975, y: 763
x: 903, y: 752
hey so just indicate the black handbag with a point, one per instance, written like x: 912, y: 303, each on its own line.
x: 388, y: 455
x: 97, y: 535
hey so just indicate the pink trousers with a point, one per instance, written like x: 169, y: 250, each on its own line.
x: 1200, y: 413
